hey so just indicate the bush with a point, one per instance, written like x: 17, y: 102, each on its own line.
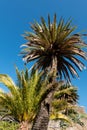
x: 5, y: 125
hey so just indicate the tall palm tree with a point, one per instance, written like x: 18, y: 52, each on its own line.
x: 24, y: 98
x: 55, y: 48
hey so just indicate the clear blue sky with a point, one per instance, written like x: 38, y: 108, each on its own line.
x: 15, y: 16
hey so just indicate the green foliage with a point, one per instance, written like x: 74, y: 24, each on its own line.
x: 24, y: 98
x: 4, y: 125
x: 64, y: 106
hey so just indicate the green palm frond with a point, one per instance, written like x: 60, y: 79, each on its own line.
x: 59, y: 105
x: 60, y: 116
x: 75, y: 116
x: 8, y: 82
x: 68, y: 93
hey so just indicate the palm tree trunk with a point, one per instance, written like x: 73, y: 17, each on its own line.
x: 42, y: 119
x: 53, y: 71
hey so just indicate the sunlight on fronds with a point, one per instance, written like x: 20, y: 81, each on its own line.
x: 60, y: 116
x: 55, y: 40
x: 8, y: 82
x: 24, y: 97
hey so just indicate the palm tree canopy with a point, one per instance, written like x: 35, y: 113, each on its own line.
x: 24, y: 97
x: 65, y: 97
x: 54, y: 45
x: 64, y: 106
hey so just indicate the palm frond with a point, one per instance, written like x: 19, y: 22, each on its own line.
x: 8, y: 82
x: 60, y: 116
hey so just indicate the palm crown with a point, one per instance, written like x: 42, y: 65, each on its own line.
x: 24, y: 98
x: 55, y: 47
x: 64, y: 106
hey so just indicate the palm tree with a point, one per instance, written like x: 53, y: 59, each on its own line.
x: 24, y: 98
x: 55, y: 48
x: 64, y: 106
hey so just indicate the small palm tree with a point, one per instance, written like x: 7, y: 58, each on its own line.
x: 55, y: 48
x: 24, y: 98
x: 64, y: 106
